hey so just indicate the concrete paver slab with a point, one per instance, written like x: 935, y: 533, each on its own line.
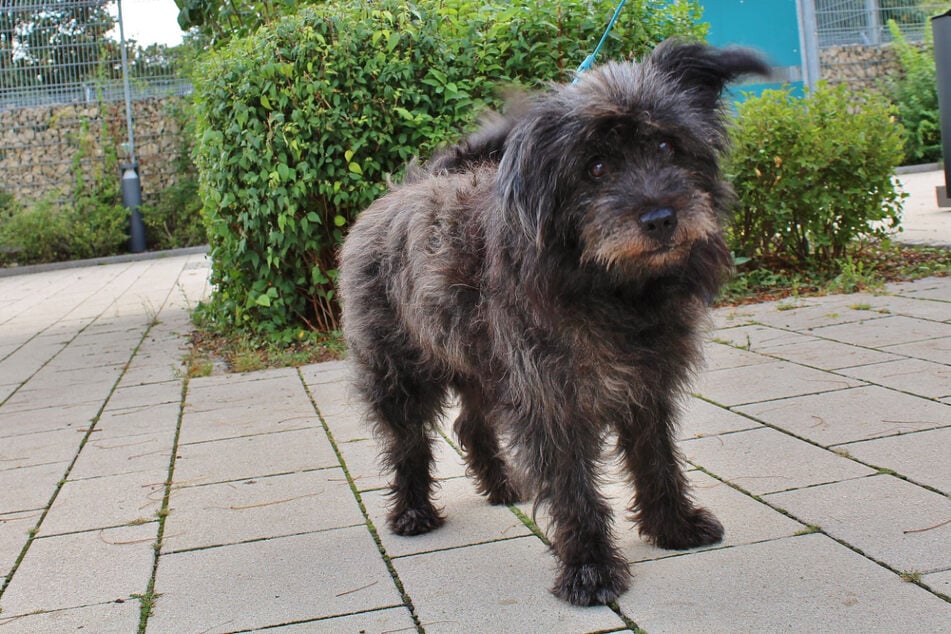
x: 253, y: 456
x: 745, y: 521
x: 922, y: 457
x: 29, y: 488
x: 42, y: 418
x: 767, y: 381
x: 924, y: 378
x: 14, y: 533
x: 271, y: 582
x: 106, y: 618
x: 849, y: 415
x: 67, y: 571
x: 470, y: 519
x: 807, y: 583
x: 765, y: 460
x: 497, y: 587
x: 118, y: 500
x: 886, y: 518
x: 885, y: 331
x: 374, y: 622
x: 700, y: 418
x: 292, y: 551
x: 276, y: 506
x: 937, y: 350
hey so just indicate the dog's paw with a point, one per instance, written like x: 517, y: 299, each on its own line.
x: 699, y: 528
x: 415, y: 521
x: 592, y: 584
x: 504, y: 494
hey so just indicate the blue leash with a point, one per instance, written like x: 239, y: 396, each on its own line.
x: 589, y: 60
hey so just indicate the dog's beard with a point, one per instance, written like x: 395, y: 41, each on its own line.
x: 617, y: 243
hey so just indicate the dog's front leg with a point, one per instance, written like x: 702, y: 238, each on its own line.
x: 592, y: 569
x: 662, y: 506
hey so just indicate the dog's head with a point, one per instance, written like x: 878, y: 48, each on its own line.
x: 622, y: 166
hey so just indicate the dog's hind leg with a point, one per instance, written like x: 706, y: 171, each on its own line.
x: 662, y: 506
x: 480, y: 442
x: 404, y: 406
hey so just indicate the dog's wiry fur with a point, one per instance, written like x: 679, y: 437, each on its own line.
x: 553, y: 270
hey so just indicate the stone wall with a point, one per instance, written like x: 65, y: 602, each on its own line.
x: 41, y: 147
x: 863, y: 67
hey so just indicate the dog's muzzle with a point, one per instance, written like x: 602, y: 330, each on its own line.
x: 659, y: 224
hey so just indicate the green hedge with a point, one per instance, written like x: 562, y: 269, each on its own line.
x: 299, y: 125
x: 813, y: 174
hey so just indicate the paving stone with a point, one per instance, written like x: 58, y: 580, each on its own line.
x: 233, y: 512
x: 136, y: 396
x: 885, y: 331
x: 718, y: 356
x: 229, y: 409
x: 939, y: 582
x: 929, y: 288
x: 767, y: 381
x: 29, y: 488
x: 105, y: 502
x: 28, y: 450
x: 107, y: 618
x: 744, y: 519
x: 921, y: 308
x: 922, y: 457
x: 271, y: 582
x: 496, y: 587
x: 756, y: 337
x: 808, y: 583
x: 765, y: 460
x: 82, y: 569
x: 253, y: 457
x: 387, y: 621
x: 924, y: 378
x: 811, y: 312
x: 937, y: 350
x: 470, y: 519
x: 362, y: 457
x: 701, y: 418
x: 137, y: 421
x: 828, y: 355
x: 42, y: 418
x: 239, y: 420
x: 14, y: 533
x: 143, y: 453
x: 849, y: 415
x: 888, y: 519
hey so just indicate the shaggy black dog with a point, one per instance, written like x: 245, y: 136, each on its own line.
x: 553, y: 270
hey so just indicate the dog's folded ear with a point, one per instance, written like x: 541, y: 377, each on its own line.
x: 705, y: 70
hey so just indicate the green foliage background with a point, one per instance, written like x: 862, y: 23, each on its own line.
x: 813, y: 174
x: 300, y: 124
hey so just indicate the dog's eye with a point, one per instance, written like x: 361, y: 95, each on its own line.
x: 597, y: 168
x: 665, y: 147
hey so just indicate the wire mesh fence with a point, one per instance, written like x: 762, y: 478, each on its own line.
x: 62, y: 97
x: 854, y: 37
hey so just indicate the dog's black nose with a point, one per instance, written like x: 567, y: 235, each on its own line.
x: 659, y: 224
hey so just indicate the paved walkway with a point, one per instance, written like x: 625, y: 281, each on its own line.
x: 820, y: 436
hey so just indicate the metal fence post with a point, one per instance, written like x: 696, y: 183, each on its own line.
x: 941, y: 28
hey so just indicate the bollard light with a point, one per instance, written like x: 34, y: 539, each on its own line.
x: 132, y: 199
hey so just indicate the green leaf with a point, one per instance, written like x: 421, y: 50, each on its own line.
x: 355, y: 168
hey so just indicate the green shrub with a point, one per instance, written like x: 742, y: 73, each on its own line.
x: 51, y: 230
x: 915, y: 94
x: 813, y: 174
x: 173, y: 218
x: 300, y: 124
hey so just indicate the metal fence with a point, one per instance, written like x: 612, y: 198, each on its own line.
x: 864, y: 22
x: 853, y: 37
x: 63, y: 84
